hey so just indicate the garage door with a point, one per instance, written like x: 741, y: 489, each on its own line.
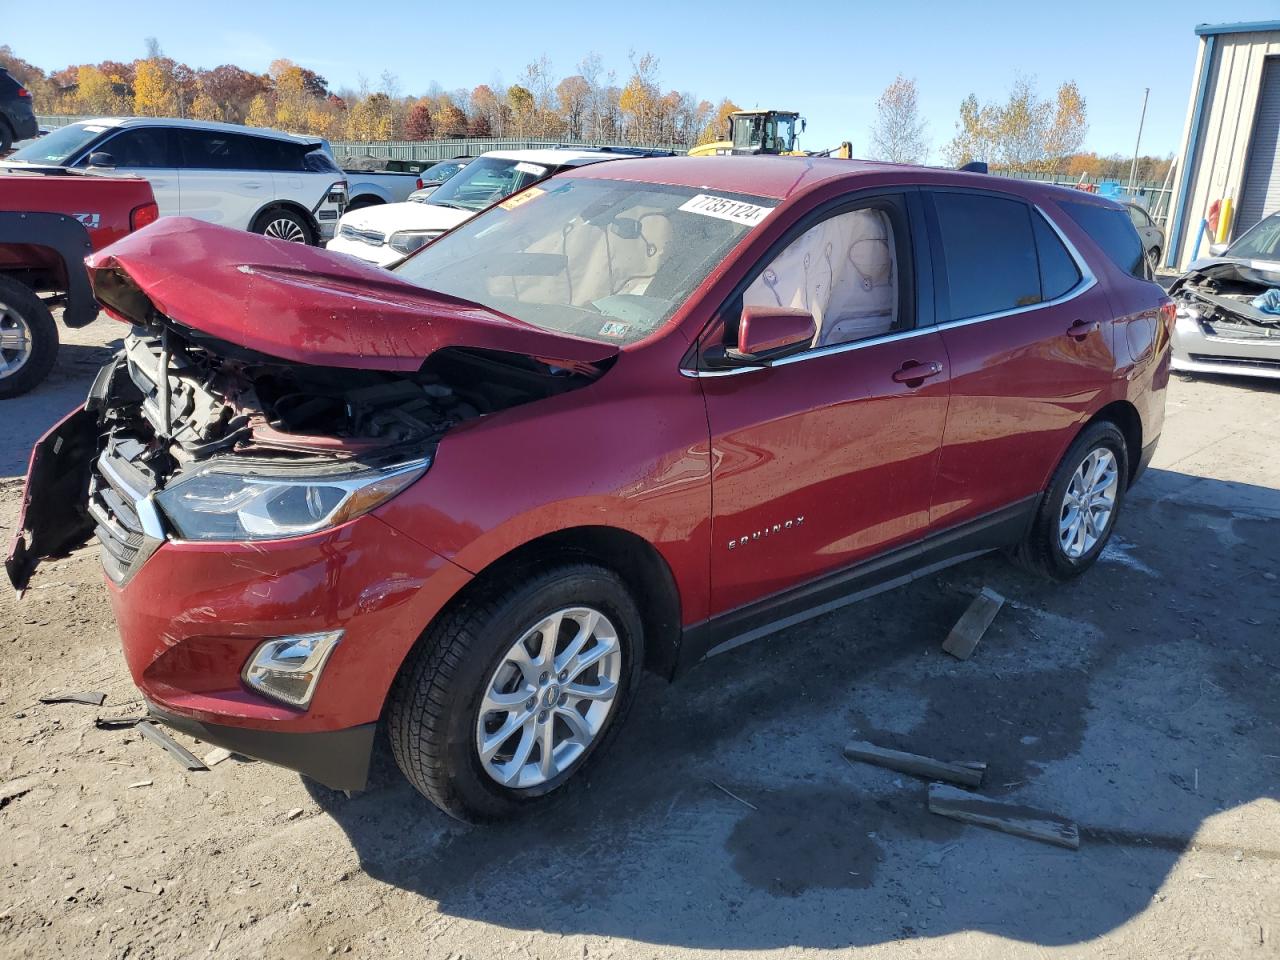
x: 1261, y: 194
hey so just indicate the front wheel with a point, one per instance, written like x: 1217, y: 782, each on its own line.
x: 516, y: 692
x: 284, y: 224
x: 1078, y: 512
x: 1153, y: 261
x: 28, y: 338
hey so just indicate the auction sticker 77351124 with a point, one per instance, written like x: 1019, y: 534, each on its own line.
x: 724, y: 208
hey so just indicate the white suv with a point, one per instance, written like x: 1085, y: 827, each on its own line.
x: 389, y: 232
x: 278, y: 184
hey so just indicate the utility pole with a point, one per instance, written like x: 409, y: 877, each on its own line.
x: 1133, y: 168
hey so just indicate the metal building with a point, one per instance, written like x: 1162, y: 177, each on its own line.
x: 1231, y: 141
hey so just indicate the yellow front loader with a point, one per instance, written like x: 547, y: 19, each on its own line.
x: 775, y: 132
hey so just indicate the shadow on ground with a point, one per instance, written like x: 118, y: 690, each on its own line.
x: 1131, y: 700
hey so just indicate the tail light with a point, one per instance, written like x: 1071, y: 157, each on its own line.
x: 24, y: 92
x: 419, y: 182
x: 141, y: 216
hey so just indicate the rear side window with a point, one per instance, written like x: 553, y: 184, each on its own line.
x: 990, y: 253
x: 1113, y: 231
x: 1058, y: 270
x: 210, y: 150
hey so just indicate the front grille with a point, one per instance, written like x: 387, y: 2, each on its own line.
x: 374, y: 238
x: 118, y: 489
x: 1241, y: 362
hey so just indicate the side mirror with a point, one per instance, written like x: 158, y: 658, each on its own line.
x: 100, y: 158
x: 766, y: 334
x: 1217, y: 249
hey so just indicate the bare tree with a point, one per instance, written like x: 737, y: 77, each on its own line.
x: 899, y: 135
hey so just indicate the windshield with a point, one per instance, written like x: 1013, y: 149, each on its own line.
x: 61, y: 145
x: 601, y: 259
x: 442, y: 171
x: 1260, y: 243
x: 483, y: 181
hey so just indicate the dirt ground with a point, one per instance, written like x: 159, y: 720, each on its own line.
x: 1142, y: 700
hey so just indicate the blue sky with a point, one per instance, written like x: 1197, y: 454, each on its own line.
x: 829, y: 60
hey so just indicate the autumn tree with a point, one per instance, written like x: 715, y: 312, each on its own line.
x: 260, y: 113
x: 231, y: 89
x: 100, y: 94
x: 450, y: 121
x: 521, y: 103
x: 418, y: 124
x: 1068, y: 127
x: 1022, y: 133
x: 574, y: 96
x: 899, y: 134
x: 155, y: 93
x: 717, y: 126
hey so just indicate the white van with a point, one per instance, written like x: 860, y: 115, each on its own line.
x: 273, y: 183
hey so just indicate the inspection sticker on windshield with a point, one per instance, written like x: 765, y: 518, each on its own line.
x: 524, y: 196
x: 531, y: 168
x: 722, y: 208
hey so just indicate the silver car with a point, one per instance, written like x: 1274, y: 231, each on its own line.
x: 1228, y: 321
x: 1151, y: 234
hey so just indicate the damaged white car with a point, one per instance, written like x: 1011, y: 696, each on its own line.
x: 1229, y: 308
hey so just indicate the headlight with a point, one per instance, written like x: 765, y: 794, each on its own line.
x: 407, y: 241
x: 218, y: 502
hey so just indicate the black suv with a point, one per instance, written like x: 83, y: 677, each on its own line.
x: 17, y: 116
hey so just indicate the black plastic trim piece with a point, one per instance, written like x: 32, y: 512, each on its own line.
x: 67, y: 237
x: 1000, y: 528
x: 339, y: 759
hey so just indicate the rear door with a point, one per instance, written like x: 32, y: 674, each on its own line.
x: 222, y: 178
x: 151, y: 153
x: 1027, y: 330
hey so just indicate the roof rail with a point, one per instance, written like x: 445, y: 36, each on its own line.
x: 629, y: 151
x: 974, y: 166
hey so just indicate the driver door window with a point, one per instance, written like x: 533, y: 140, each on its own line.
x: 844, y: 270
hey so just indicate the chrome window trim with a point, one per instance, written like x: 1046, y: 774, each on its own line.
x: 1087, y: 282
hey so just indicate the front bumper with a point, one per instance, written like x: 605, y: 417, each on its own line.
x: 1197, y: 350
x: 193, y: 613
x: 338, y: 758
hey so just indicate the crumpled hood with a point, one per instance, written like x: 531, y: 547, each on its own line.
x: 304, y: 304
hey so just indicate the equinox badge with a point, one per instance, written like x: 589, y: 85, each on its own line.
x: 772, y: 531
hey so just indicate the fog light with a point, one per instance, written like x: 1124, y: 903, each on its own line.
x: 288, y: 668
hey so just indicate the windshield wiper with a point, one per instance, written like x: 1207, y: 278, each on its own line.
x: 446, y: 203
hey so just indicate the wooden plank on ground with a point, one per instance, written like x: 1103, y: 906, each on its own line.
x: 1007, y: 817
x: 967, y: 773
x: 964, y: 636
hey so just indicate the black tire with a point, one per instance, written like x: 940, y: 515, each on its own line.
x: 1042, y: 551
x: 6, y: 137
x: 1153, y: 261
x: 21, y: 309
x: 434, y: 704
x: 285, y: 224
x: 359, y: 203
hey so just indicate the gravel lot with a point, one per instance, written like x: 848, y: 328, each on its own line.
x: 1142, y: 701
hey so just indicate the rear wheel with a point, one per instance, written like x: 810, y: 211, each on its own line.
x: 1078, y: 511
x: 282, y: 224
x: 6, y: 137
x: 513, y: 694
x: 28, y: 338
x: 1153, y: 261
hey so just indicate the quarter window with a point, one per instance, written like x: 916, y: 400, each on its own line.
x: 1058, y: 270
x: 990, y: 254
x: 843, y: 270
x: 1111, y: 229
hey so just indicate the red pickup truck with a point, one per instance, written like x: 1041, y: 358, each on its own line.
x: 50, y: 220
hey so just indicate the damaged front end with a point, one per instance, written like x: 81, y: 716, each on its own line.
x: 1223, y: 322
x: 188, y: 436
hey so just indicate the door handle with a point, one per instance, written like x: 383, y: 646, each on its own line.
x: 913, y: 373
x: 1082, y: 328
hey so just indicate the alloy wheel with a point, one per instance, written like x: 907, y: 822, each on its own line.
x: 15, y: 341
x: 1089, y: 503
x: 549, y: 698
x: 282, y: 228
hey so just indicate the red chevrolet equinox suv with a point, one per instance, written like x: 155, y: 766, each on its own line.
x: 624, y: 420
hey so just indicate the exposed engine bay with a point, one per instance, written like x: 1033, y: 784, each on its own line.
x: 200, y: 439
x: 1221, y: 298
